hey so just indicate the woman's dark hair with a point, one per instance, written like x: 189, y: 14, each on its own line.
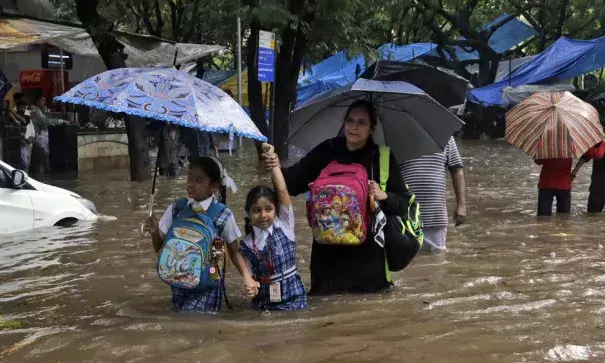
x: 369, y: 108
x: 213, y: 169
x: 253, y: 196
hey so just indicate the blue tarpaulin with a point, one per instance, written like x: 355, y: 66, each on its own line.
x: 509, y: 34
x: 406, y: 52
x: 337, y: 69
x: 307, y: 92
x: 566, y: 58
x: 215, y: 77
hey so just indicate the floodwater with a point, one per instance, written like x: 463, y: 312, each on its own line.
x: 511, y: 288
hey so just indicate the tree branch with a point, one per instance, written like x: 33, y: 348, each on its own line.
x: 192, y: 21
x: 159, y: 18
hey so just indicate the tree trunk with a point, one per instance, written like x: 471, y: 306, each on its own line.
x: 111, y: 51
x: 287, y: 69
x: 255, y: 91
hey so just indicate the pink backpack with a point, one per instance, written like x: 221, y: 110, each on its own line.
x: 337, y: 205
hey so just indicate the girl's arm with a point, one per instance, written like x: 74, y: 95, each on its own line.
x: 281, y: 189
x: 250, y: 285
x: 157, y: 237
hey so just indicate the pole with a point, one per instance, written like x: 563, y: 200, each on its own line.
x: 272, y: 112
x: 510, y: 67
x: 273, y: 99
x: 62, y: 78
x: 239, y: 65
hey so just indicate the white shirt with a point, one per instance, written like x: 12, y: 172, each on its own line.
x: 284, y: 221
x: 231, y: 232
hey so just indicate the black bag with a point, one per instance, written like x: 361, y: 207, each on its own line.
x: 400, y: 246
x: 403, y: 237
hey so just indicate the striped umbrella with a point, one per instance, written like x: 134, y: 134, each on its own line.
x: 550, y: 125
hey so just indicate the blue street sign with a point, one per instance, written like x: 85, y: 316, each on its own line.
x: 266, y: 56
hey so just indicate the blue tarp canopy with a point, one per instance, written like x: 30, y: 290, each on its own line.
x: 406, y: 52
x: 306, y: 92
x: 510, y: 33
x: 338, y: 70
x: 215, y: 77
x: 566, y: 58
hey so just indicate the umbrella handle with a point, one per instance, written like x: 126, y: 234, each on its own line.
x: 149, y: 214
x: 372, y: 204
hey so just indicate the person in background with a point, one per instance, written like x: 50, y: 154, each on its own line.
x: 10, y: 124
x: 555, y: 182
x: 27, y: 135
x: 426, y: 178
x: 596, y: 198
x: 199, y: 143
x: 170, y: 161
x: 41, y: 123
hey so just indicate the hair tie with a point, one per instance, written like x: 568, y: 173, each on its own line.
x: 226, y: 181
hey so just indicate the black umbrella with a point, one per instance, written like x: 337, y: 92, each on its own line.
x: 445, y: 86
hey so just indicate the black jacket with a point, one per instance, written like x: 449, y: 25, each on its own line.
x: 346, y: 268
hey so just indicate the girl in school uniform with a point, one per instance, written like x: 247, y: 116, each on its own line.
x: 206, y: 176
x: 269, y: 246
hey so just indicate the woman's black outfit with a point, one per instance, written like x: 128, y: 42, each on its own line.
x: 346, y: 268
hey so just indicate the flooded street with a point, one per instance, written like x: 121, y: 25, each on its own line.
x: 511, y: 288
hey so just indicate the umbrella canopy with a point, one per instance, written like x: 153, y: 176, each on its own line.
x: 445, y: 86
x: 410, y: 122
x: 164, y: 94
x: 553, y: 125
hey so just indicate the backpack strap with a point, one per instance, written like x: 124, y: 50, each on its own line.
x: 178, y: 205
x: 383, y: 164
x: 215, y: 209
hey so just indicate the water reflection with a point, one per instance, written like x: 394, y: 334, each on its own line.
x: 511, y: 288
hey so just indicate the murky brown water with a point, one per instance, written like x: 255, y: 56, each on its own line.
x: 510, y: 288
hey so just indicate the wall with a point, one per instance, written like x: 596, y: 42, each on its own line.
x: 102, y: 151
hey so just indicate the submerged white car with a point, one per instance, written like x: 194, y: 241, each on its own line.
x: 27, y: 204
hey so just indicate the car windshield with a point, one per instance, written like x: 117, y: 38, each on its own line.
x: 4, y: 178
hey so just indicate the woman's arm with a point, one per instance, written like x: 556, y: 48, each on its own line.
x: 299, y: 175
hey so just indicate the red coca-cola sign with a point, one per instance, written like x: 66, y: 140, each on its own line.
x: 32, y: 78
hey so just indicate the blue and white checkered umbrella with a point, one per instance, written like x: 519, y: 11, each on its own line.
x: 164, y: 94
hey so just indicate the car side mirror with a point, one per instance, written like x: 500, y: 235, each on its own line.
x: 19, y: 178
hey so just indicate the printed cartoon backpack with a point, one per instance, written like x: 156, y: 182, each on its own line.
x: 337, y: 205
x: 190, y: 258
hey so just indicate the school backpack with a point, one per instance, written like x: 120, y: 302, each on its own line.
x: 337, y: 205
x: 403, y: 234
x: 188, y: 258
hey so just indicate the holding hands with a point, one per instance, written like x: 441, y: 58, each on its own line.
x: 269, y: 157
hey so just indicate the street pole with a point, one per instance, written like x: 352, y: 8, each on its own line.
x: 239, y: 66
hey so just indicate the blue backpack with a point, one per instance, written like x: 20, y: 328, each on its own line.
x: 187, y: 260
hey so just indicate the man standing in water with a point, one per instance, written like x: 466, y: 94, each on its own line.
x: 596, y: 198
x: 425, y: 178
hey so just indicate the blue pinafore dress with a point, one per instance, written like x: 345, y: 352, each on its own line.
x: 281, y: 251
